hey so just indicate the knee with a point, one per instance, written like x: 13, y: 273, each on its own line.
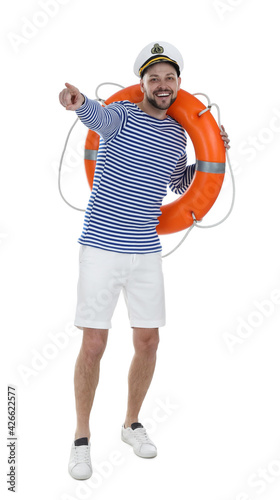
x: 146, y: 340
x: 94, y: 343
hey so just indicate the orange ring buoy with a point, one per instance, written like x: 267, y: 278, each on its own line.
x: 210, y: 159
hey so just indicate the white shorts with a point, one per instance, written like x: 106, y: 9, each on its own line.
x: 103, y: 274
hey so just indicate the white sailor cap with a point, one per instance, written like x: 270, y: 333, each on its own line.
x: 156, y: 52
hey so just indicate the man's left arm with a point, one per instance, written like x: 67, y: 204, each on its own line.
x: 181, y: 177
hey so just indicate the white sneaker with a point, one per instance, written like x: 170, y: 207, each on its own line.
x: 137, y: 437
x: 79, y: 466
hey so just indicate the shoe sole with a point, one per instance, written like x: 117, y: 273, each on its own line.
x: 80, y: 478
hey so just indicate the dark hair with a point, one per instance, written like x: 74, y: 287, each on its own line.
x: 168, y: 62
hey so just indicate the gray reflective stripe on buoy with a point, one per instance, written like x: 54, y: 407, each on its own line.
x: 91, y: 154
x: 210, y: 167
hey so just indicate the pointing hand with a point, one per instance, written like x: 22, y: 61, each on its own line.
x: 71, y: 98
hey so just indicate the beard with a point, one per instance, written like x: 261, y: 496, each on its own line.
x: 161, y: 105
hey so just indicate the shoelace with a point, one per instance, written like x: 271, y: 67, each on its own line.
x: 82, y: 454
x: 141, y: 436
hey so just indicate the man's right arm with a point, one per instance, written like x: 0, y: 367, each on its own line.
x: 105, y: 121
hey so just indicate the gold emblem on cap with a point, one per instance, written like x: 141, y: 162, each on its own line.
x: 157, y: 49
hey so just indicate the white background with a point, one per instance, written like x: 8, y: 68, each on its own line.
x: 213, y: 407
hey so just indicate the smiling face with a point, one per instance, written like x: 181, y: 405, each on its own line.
x: 160, y: 85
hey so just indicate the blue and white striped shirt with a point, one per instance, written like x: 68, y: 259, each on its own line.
x: 139, y: 156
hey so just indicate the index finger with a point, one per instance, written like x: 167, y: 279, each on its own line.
x: 73, y: 90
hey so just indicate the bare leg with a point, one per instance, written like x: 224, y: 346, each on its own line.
x: 87, y: 376
x: 141, y: 370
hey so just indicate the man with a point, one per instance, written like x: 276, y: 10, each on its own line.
x: 142, y: 151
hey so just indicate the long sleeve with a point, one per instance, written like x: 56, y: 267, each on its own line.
x: 107, y: 121
x: 181, y: 177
